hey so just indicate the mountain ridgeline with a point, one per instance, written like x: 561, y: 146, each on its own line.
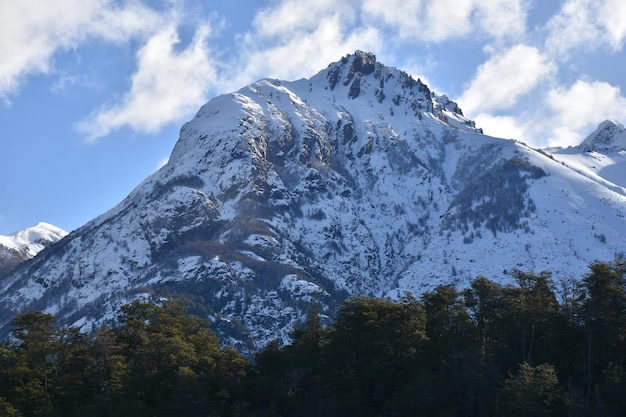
x: 289, y: 196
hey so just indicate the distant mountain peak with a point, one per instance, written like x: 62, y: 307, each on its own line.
x: 25, y: 244
x: 34, y: 238
x: 609, y: 136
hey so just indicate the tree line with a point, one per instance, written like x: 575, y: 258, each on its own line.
x: 488, y: 350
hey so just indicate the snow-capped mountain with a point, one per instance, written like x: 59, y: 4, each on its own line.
x: 601, y: 157
x: 25, y: 244
x: 287, y: 196
x: 609, y: 137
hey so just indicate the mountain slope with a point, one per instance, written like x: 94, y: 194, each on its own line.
x: 286, y: 196
x: 25, y: 244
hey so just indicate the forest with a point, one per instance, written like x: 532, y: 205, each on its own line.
x: 488, y: 350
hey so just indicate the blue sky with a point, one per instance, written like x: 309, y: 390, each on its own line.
x: 93, y: 92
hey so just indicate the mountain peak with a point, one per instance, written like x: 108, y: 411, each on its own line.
x: 25, y: 244
x: 34, y: 238
x: 361, y: 62
x: 287, y: 196
x: 609, y: 136
x: 360, y: 75
x: 352, y: 68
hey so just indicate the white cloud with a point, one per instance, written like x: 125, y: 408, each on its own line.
x: 572, y: 27
x: 32, y: 31
x: 306, y: 53
x: 296, y: 39
x: 162, y: 163
x: 564, y: 116
x: 448, y: 19
x: 507, y: 127
x: 298, y: 16
x: 403, y: 15
x: 502, y: 80
x: 502, y: 18
x: 167, y: 86
x: 580, y: 108
x: 587, y: 24
x: 610, y: 16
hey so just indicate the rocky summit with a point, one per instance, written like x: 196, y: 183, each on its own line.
x: 284, y: 197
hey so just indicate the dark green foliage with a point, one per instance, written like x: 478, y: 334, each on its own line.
x: 491, y: 350
x: 171, y: 364
x: 460, y: 351
x: 159, y: 362
x: 602, y: 310
x: 532, y: 391
x: 374, y: 352
x: 488, y: 351
x: 7, y: 410
x: 291, y: 380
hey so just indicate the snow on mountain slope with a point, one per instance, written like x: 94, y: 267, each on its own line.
x: 600, y: 157
x: 287, y: 196
x: 25, y: 244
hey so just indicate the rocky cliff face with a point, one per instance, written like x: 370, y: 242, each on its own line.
x: 287, y: 196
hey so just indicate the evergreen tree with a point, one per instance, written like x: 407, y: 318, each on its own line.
x: 542, y: 330
x: 450, y: 353
x: 32, y: 370
x: 74, y: 381
x: 460, y: 355
x: 379, y: 355
x: 293, y: 380
x: 603, y: 310
x: 269, y: 384
x: 7, y: 410
x: 532, y: 391
x: 175, y: 364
